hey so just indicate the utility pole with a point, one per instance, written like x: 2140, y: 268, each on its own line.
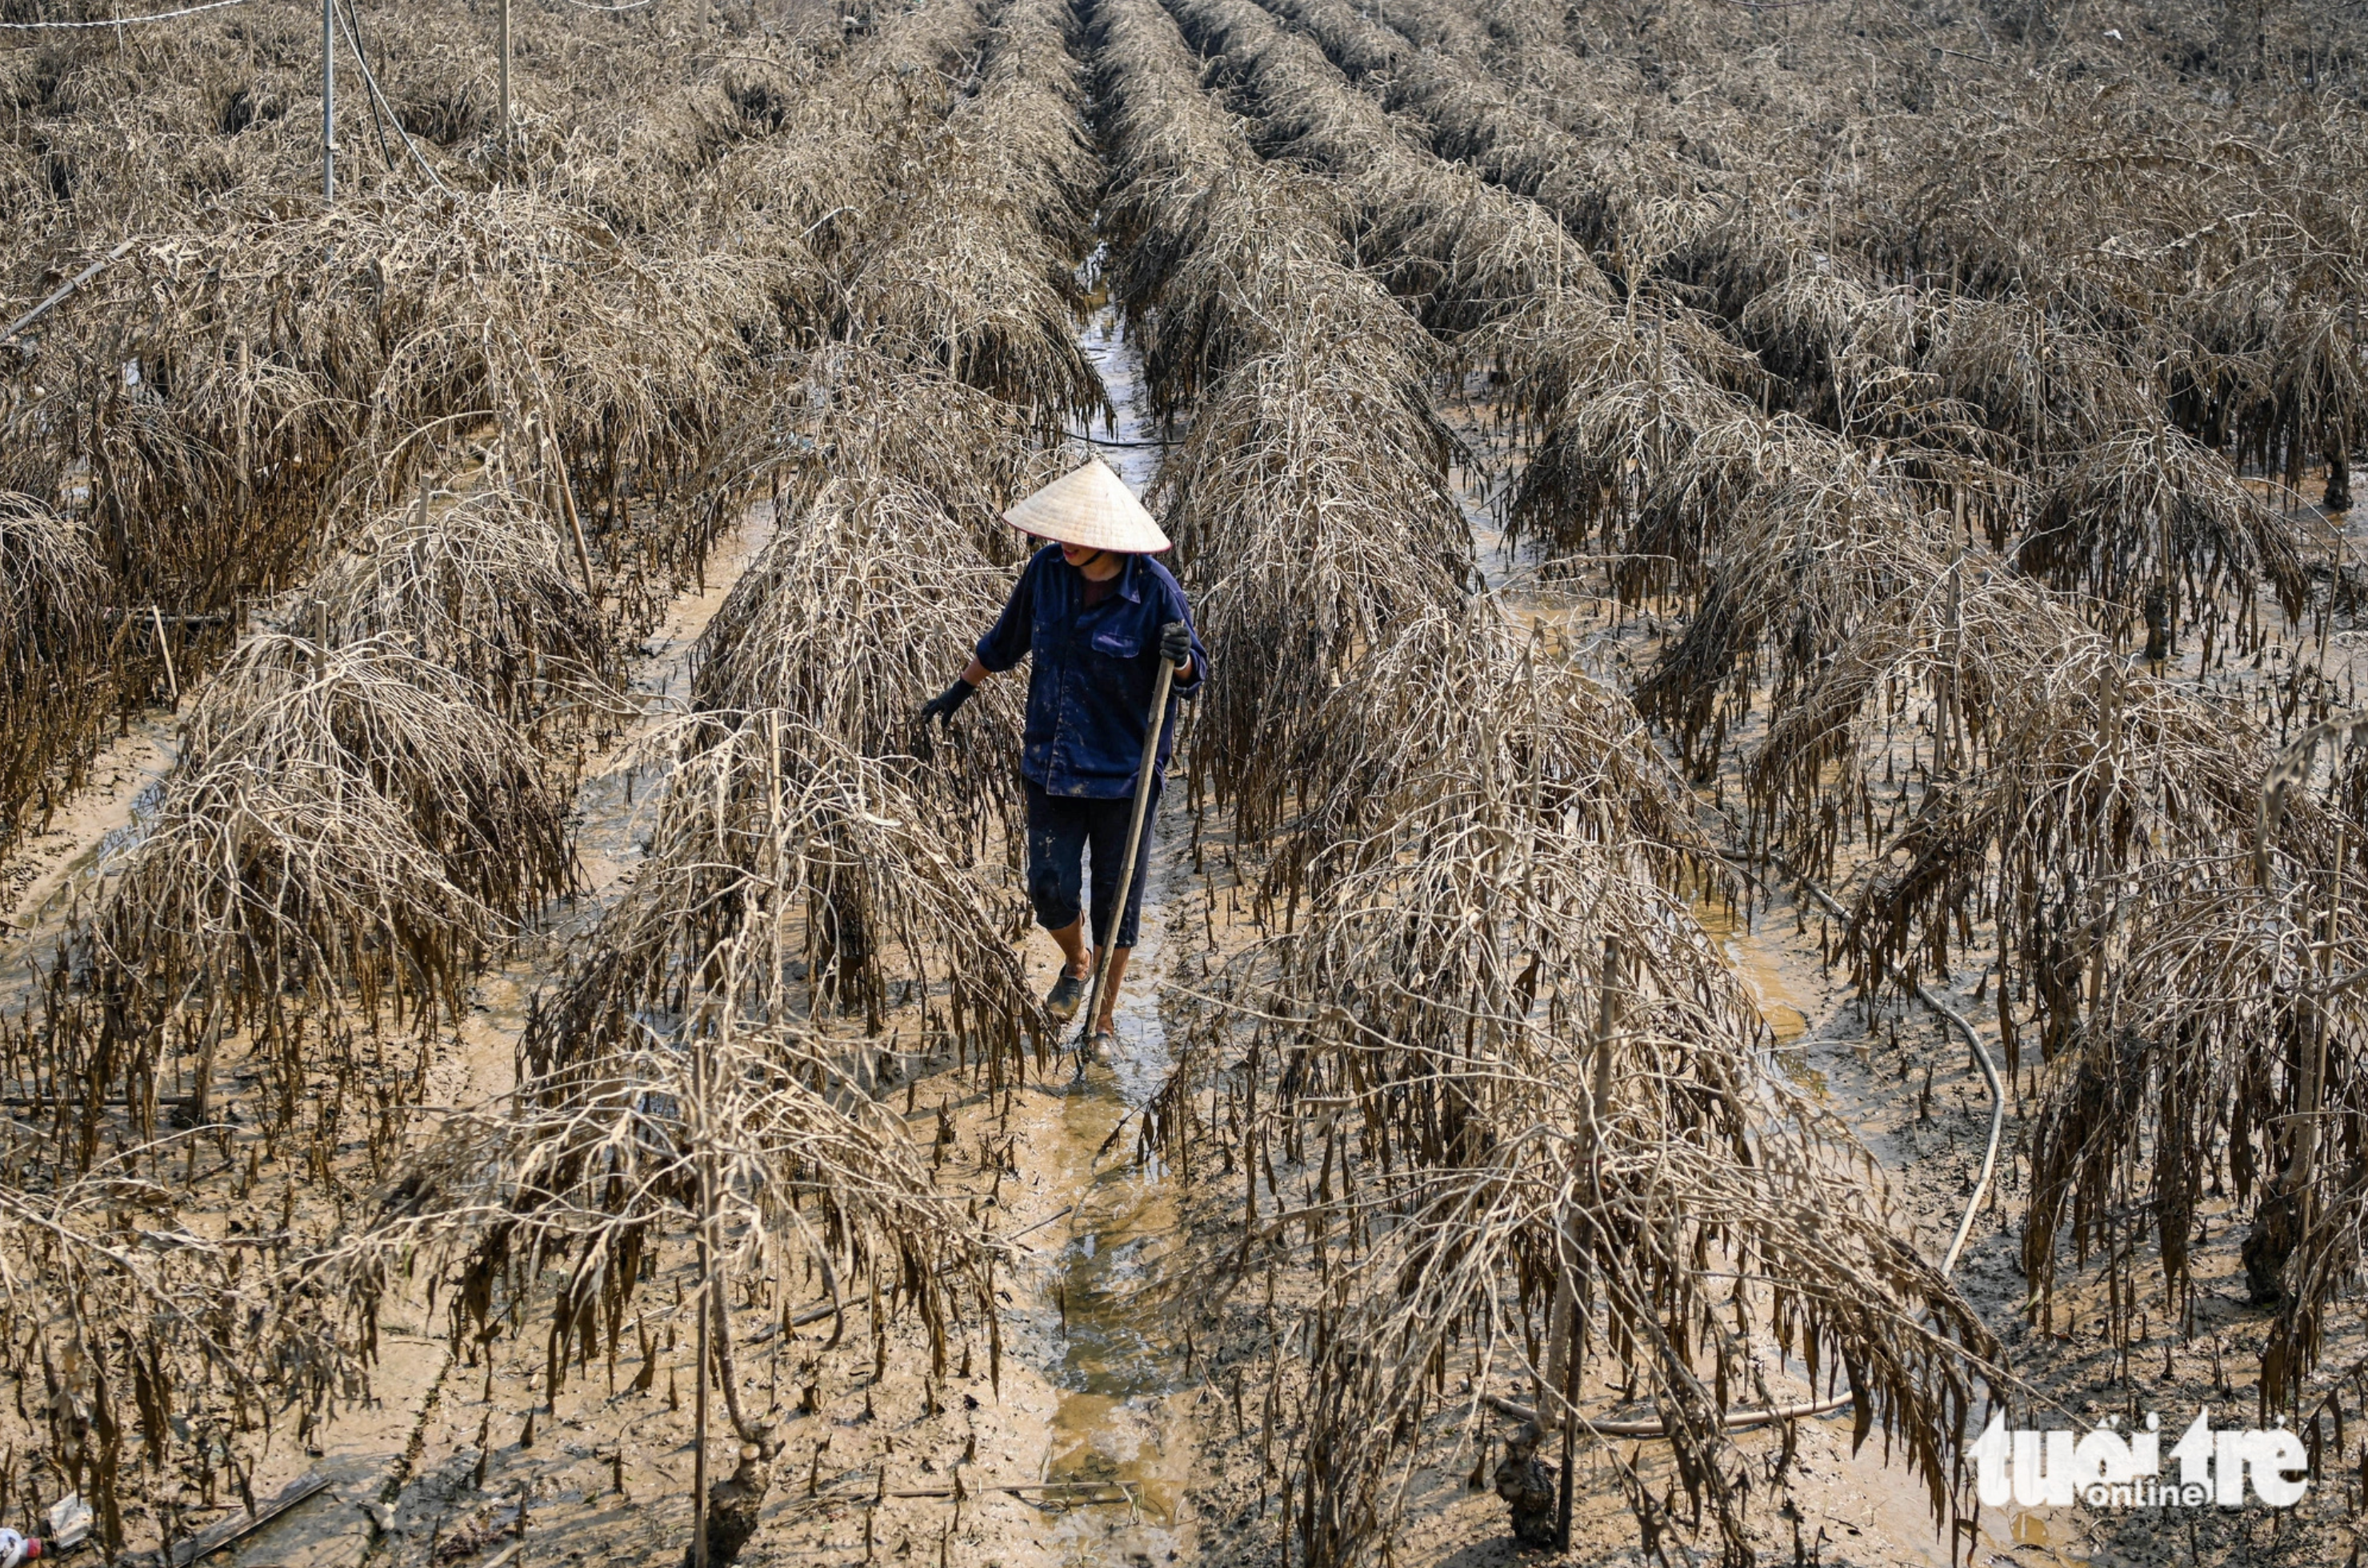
x: 505, y: 86
x: 328, y: 100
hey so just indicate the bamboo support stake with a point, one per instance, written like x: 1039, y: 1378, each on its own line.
x: 67, y: 288
x: 706, y: 1288
x: 172, y: 681
x: 1569, y: 1441
x: 328, y: 100
x: 546, y: 429
x: 2306, y: 1108
x: 1562, y: 1347
x: 1952, y: 754
x: 505, y: 86
x: 575, y: 520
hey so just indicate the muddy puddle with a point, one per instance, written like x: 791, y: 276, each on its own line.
x: 1787, y: 1002
x: 1103, y: 1343
x: 48, y: 877
x: 1117, y: 1365
x: 1763, y: 969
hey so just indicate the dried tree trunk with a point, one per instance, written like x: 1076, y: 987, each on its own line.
x: 2283, y: 1218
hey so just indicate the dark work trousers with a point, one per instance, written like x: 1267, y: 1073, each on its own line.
x: 1060, y: 828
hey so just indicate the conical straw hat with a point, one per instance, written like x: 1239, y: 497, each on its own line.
x: 1091, y: 507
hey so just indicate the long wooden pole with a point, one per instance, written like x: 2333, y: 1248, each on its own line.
x: 1951, y: 757
x: 1133, y: 844
x: 1570, y: 1443
x: 574, y: 519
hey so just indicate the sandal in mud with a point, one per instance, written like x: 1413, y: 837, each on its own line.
x: 1068, y: 995
x: 1103, y: 1046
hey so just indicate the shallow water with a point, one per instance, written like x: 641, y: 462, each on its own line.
x: 1131, y: 443
x: 1108, y: 1350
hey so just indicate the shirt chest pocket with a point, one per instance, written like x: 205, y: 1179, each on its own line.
x: 1119, y: 641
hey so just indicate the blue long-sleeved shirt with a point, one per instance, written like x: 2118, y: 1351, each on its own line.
x: 1089, y: 687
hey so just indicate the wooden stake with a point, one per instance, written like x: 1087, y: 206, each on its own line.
x: 1569, y: 1440
x: 706, y: 1284
x: 1562, y: 1327
x: 1950, y: 757
x: 328, y: 100
x: 575, y: 521
x: 165, y: 648
x: 2306, y: 1138
x: 505, y: 86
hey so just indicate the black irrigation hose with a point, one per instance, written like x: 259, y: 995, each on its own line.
x: 361, y: 58
x: 1127, y: 446
x: 377, y: 100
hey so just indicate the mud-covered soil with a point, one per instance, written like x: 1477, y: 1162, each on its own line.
x: 1143, y: 1396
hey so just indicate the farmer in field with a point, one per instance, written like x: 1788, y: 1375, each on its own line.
x: 1098, y: 615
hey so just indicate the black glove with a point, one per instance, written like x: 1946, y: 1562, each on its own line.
x: 946, y: 704
x: 1176, y: 642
